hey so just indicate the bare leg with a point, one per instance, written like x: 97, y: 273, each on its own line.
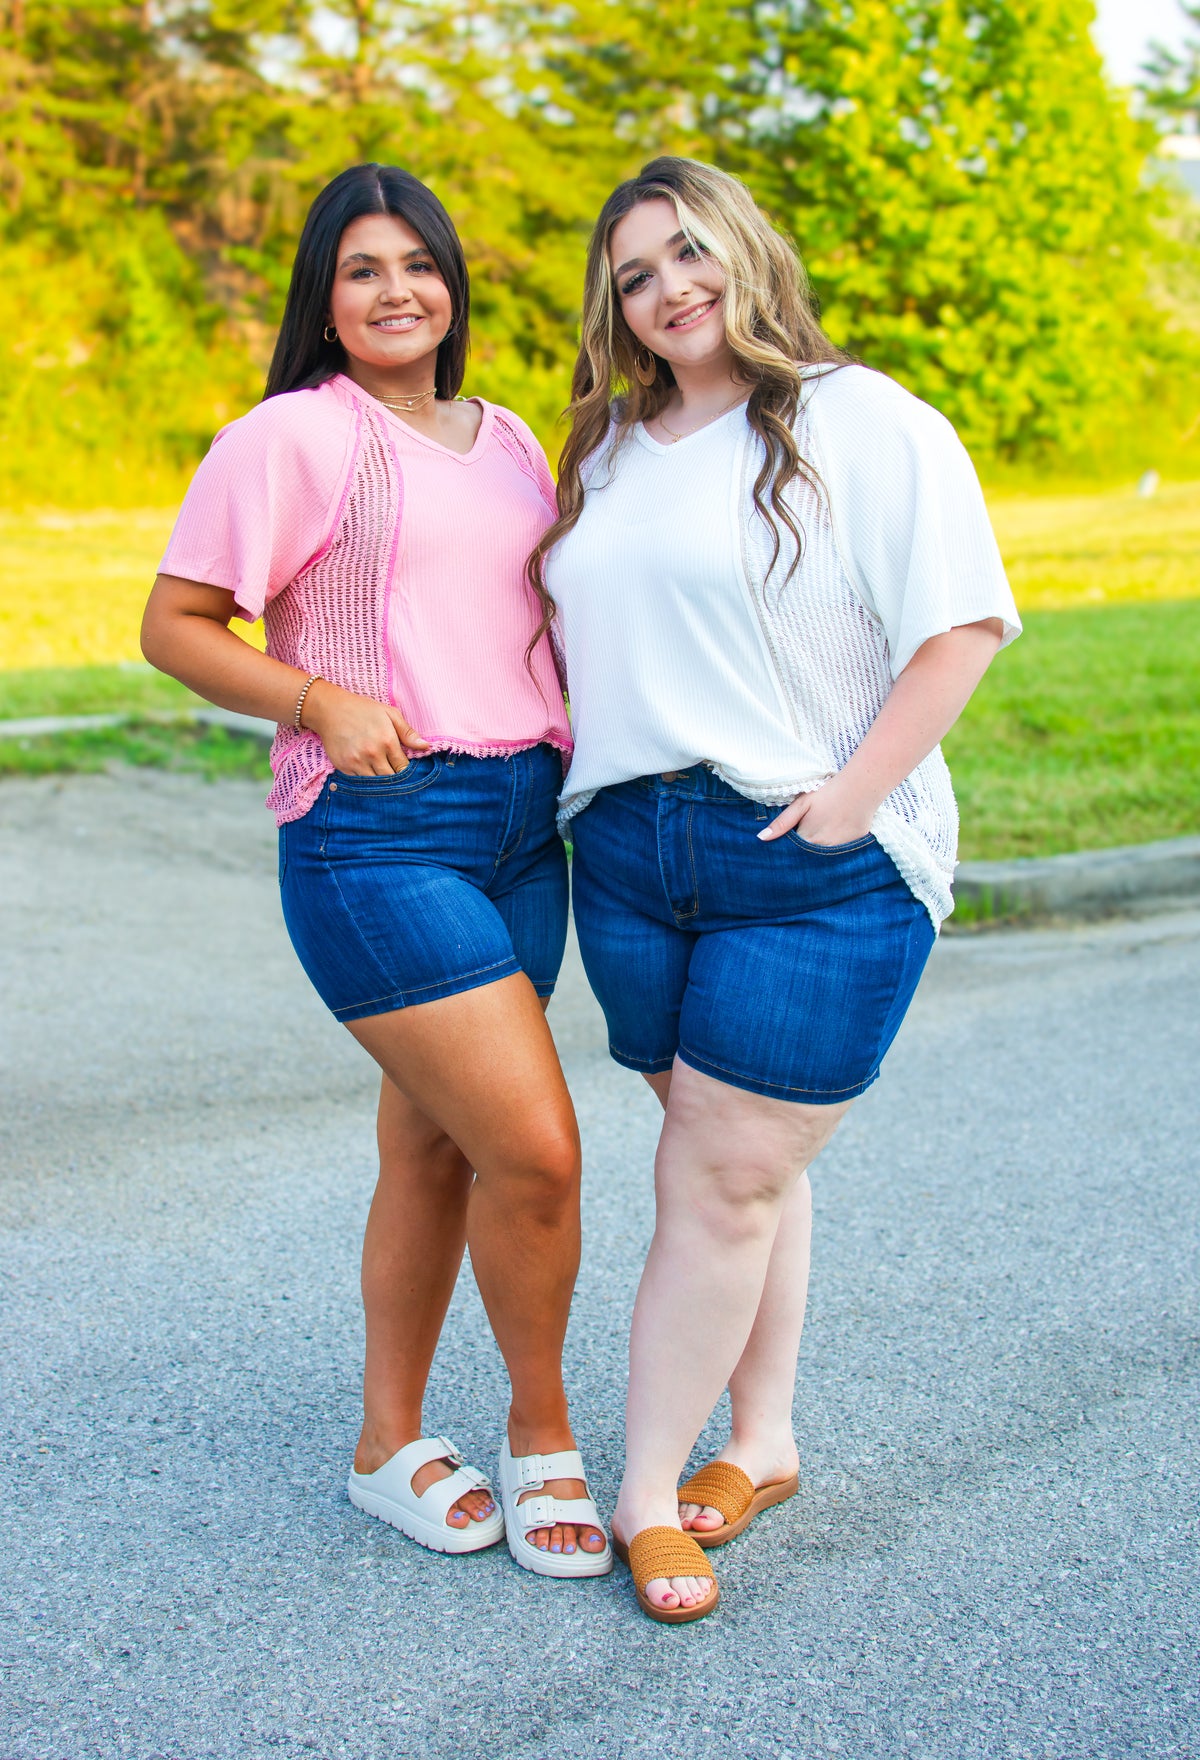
x: 482, y: 1068
x: 727, y: 1162
x: 412, y: 1250
x: 762, y: 1387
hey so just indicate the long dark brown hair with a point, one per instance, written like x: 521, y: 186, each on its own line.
x: 302, y: 355
x: 771, y: 325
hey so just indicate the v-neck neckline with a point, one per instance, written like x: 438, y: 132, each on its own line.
x: 477, y: 445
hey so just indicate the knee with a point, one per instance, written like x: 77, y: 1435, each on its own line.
x: 542, y: 1173
x: 741, y: 1201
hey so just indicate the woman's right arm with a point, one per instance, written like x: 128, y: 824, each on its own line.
x: 186, y: 633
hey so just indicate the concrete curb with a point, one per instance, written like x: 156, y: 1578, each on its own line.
x: 1082, y: 887
x: 1131, y: 881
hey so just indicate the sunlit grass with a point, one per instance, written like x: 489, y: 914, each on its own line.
x: 1084, y: 735
x: 1100, y: 549
x: 74, y: 585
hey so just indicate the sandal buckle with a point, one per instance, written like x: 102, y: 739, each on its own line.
x: 529, y: 1471
x: 537, y: 1512
x: 449, y: 1452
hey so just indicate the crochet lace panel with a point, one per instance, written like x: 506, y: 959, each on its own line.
x: 332, y: 619
x: 831, y: 655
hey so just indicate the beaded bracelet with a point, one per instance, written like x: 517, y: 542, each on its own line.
x: 309, y: 682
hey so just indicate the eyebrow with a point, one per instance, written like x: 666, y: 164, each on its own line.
x: 369, y: 257
x: 634, y: 261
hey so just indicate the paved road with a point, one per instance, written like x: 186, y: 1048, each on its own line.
x: 994, y: 1549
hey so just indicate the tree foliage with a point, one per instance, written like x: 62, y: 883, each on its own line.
x: 966, y: 189
x: 1171, y: 78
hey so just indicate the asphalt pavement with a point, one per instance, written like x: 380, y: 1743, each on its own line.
x: 994, y: 1550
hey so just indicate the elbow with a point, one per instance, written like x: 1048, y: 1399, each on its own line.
x: 150, y: 641
x: 158, y: 639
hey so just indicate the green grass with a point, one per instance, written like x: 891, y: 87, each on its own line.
x: 90, y: 690
x: 74, y: 585
x: 1066, y: 551
x: 1085, y: 734
x: 211, y: 752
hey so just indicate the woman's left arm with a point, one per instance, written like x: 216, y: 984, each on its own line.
x: 922, y: 706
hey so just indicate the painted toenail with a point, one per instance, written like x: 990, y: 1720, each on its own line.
x: 556, y: 1547
x: 569, y: 1547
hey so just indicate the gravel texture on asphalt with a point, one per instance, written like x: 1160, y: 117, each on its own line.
x: 994, y: 1548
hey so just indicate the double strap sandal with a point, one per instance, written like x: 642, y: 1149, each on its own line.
x: 388, y: 1493
x: 724, y: 1487
x: 532, y: 1472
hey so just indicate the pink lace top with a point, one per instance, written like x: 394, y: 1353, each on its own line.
x: 387, y: 563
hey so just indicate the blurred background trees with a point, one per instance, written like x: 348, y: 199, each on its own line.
x: 970, y: 195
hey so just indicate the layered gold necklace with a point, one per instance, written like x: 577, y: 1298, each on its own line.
x: 405, y: 404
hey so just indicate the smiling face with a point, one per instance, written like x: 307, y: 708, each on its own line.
x: 670, y: 294
x: 388, y: 303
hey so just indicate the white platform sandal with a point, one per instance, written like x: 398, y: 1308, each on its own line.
x: 530, y: 1472
x: 388, y: 1494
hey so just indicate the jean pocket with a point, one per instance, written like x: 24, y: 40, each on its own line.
x: 832, y: 849
x: 418, y: 773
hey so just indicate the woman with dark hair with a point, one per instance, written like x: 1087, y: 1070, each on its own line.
x: 777, y: 588
x: 379, y: 524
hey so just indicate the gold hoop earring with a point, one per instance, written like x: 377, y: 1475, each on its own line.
x: 646, y: 369
x: 329, y: 333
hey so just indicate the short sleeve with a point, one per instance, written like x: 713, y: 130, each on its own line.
x: 263, y: 502
x: 908, y: 513
x: 533, y: 451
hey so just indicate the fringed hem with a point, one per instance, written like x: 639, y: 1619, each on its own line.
x: 503, y: 748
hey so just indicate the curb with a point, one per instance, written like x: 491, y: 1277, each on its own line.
x: 1083, y: 887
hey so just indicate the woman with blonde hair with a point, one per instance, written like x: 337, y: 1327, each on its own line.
x: 777, y: 588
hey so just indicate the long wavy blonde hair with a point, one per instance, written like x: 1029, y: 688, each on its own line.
x: 771, y: 326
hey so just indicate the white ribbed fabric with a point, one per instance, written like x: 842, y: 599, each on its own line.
x: 682, y: 648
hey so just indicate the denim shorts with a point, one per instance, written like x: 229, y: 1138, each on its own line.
x: 402, y: 889
x: 784, y: 968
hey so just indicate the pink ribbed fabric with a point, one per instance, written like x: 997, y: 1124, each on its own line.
x: 384, y: 562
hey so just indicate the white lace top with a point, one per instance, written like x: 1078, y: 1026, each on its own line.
x: 683, y: 646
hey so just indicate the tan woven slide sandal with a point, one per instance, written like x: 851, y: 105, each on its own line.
x: 722, y: 1486
x: 666, y: 1552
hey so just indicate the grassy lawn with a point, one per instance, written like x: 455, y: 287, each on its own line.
x: 74, y: 585
x: 126, y: 688
x: 211, y: 752
x: 1067, y: 551
x: 1085, y: 734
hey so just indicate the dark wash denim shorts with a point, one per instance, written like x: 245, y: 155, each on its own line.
x: 402, y: 889
x: 784, y: 968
